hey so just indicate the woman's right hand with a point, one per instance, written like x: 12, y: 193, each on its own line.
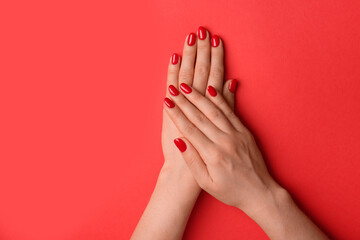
x: 220, y: 152
x: 224, y: 159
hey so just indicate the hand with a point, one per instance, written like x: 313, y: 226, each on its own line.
x: 223, y: 157
x: 208, y: 58
x: 221, y: 152
x: 176, y: 191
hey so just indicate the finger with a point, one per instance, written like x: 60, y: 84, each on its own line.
x: 173, y: 71
x: 186, y: 73
x: 216, y: 76
x: 209, y: 109
x: 194, y: 162
x: 219, y: 101
x: 202, y: 66
x: 194, y: 115
x: 229, y: 92
x: 185, y: 126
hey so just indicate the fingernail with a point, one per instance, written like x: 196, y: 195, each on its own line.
x: 215, y: 41
x: 185, y: 88
x: 202, y: 33
x: 180, y: 144
x: 174, y: 58
x: 232, y: 85
x: 173, y: 91
x: 191, y: 39
x: 212, y: 91
x: 169, y: 103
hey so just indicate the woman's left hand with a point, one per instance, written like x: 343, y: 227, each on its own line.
x: 202, y: 63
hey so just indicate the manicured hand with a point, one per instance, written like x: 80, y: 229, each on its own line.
x: 218, y: 149
x: 176, y: 190
x: 202, y: 63
x: 223, y: 157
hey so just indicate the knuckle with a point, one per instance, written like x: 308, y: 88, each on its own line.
x: 200, y: 118
x: 217, y: 72
x: 176, y: 115
x: 196, y: 97
x: 188, y: 129
x: 172, y: 71
x: 202, y: 69
x: 221, y: 103
x: 186, y: 76
x: 188, y: 51
x: 202, y: 46
x: 249, y: 136
x: 231, y: 115
x: 214, y: 113
x: 244, y: 134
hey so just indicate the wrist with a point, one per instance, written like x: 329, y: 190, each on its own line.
x: 272, y: 201
x: 274, y: 213
x: 178, y: 182
x: 280, y: 218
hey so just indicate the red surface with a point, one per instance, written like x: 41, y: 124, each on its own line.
x: 81, y: 94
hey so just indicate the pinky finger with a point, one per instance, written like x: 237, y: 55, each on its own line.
x: 229, y: 92
x: 194, y: 162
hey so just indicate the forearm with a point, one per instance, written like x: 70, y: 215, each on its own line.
x: 168, y: 210
x: 280, y: 218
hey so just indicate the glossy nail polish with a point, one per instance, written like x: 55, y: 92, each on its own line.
x: 180, y: 144
x: 202, y: 33
x: 215, y: 41
x: 232, y: 85
x: 173, y: 91
x: 185, y: 88
x: 174, y: 58
x: 169, y: 103
x: 212, y: 91
x: 191, y: 39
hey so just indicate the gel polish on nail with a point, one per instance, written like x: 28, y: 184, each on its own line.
x: 169, y: 103
x: 215, y: 41
x: 191, y: 39
x: 212, y: 91
x: 174, y: 58
x: 180, y: 144
x: 185, y: 88
x: 232, y: 85
x: 173, y: 91
x: 202, y: 33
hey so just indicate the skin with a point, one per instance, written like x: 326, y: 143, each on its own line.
x: 226, y: 162
x: 222, y: 157
x: 176, y: 190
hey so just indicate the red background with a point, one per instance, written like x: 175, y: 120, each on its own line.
x: 81, y: 89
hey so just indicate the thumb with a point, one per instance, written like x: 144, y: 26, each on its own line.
x: 194, y: 162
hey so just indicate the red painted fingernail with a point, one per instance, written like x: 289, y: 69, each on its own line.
x: 191, y: 39
x: 173, y: 91
x: 212, y: 91
x: 180, y: 144
x: 202, y: 33
x: 174, y: 58
x: 185, y: 88
x: 215, y: 41
x: 169, y: 103
x: 232, y: 85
